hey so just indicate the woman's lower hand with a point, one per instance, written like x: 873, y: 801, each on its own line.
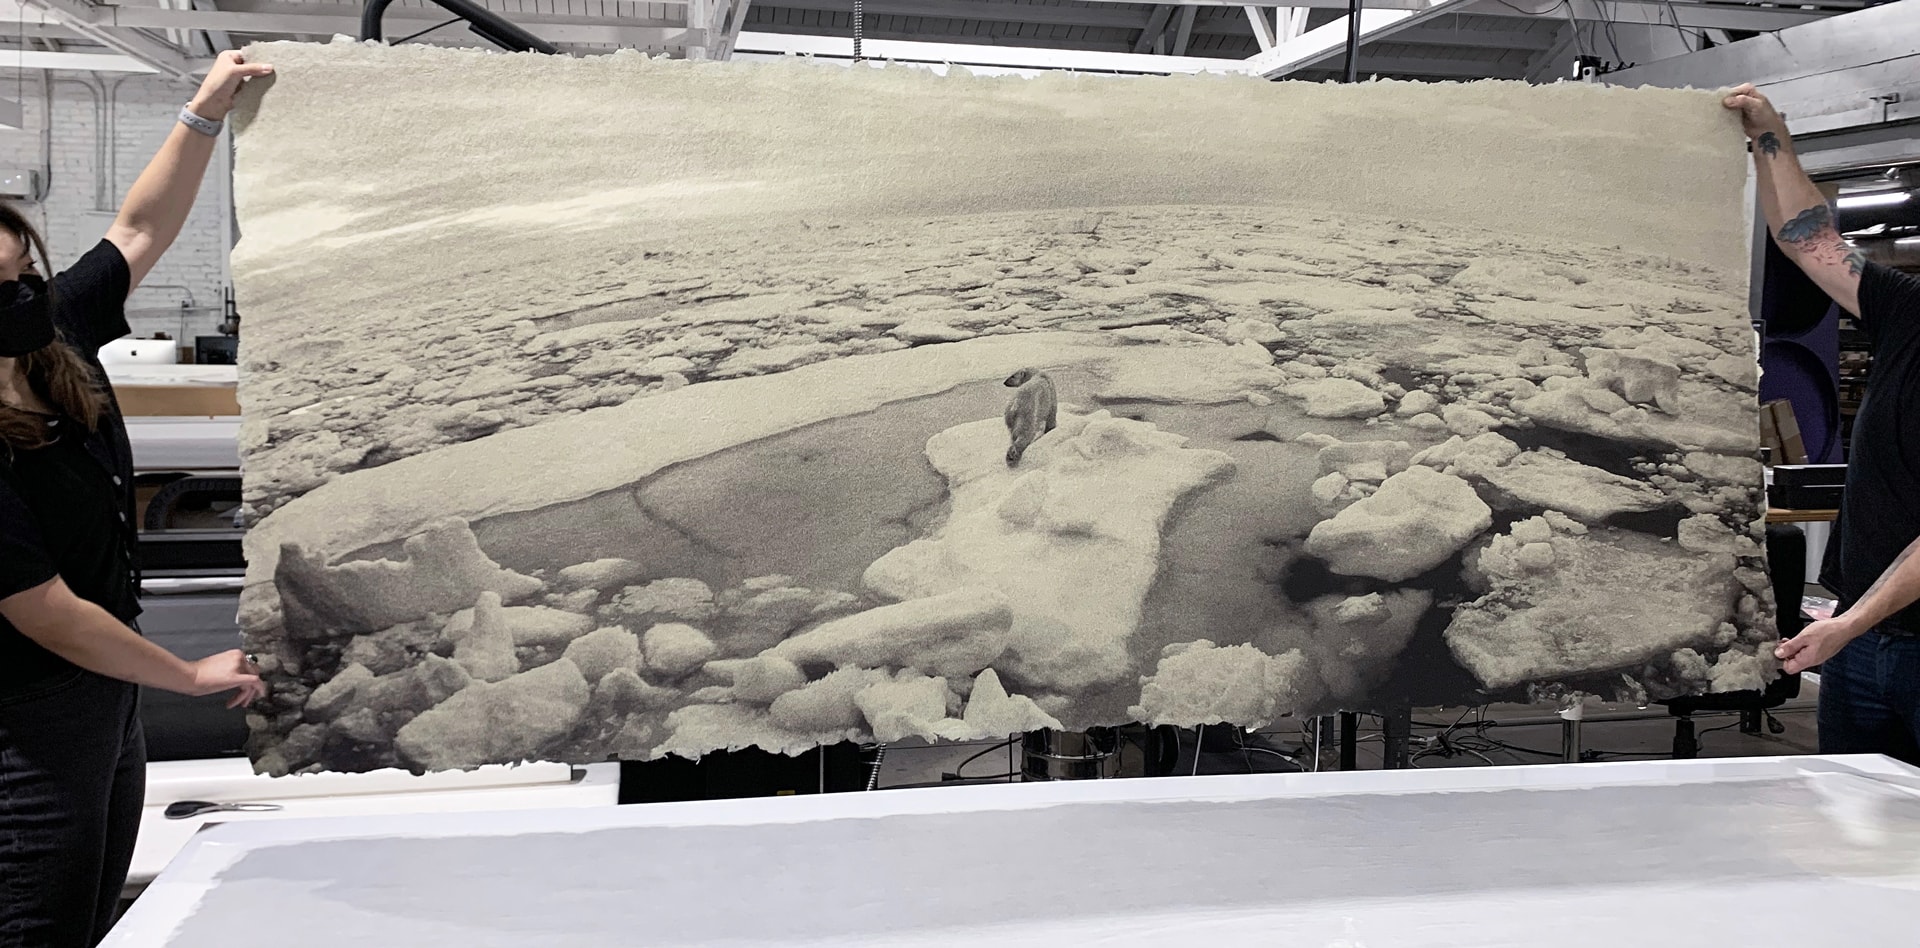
x: 228, y: 671
x: 224, y: 77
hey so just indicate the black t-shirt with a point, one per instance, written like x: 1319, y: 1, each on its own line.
x: 66, y: 509
x: 1880, y: 508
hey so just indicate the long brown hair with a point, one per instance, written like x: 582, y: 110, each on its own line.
x: 56, y: 373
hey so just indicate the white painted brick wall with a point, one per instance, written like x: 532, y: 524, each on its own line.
x: 71, y: 218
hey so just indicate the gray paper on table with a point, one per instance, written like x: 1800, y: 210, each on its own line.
x: 620, y: 407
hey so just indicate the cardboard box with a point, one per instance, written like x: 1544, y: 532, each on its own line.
x: 177, y: 400
x: 1780, y: 433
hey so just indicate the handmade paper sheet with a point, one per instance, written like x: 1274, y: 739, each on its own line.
x: 615, y: 407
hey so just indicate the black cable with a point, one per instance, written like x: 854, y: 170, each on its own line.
x: 1579, y: 45
x: 1612, y: 39
x: 1710, y: 730
x: 1451, y: 727
x: 1480, y: 731
x: 1526, y: 12
x: 1268, y: 750
x: 426, y: 31
x: 961, y: 771
x: 1680, y: 29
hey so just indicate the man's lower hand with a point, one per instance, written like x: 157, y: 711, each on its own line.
x: 1816, y: 643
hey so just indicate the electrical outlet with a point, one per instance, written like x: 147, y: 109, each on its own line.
x: 19, y: 183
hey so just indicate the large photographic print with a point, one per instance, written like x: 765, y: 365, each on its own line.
x: 617, y: 407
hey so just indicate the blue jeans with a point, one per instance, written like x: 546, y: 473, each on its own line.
x: 73, y: 773
x: 1870, y: 698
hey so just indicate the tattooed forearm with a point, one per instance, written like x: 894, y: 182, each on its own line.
x: 1872, y: 595
x: 1811, y: 236
x: 1769, y: 143
x: 1808, y: 226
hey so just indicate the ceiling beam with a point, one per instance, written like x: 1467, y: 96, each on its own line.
x: 1328, y: 4
x: 1156, y: 26
x: 1689, y: 13
x: 399, y: 21
x: 1437, y: 68
x: 1183, y: 34
x: 83, y: 18
x: 1476, y: 39
x: 1096, y: 13
x: 218, y: 39
x: 1387, y: 24
x: 36, y: 59
x: 1262, y: 27
x: 963, y: 54
x: 1110, y: 17
x: 1291, y: 22
x: 736, y: 19
x: 1552, y: 63
x: 1295, y: 53
x: 1830, y: 5
x: 1326, y: 42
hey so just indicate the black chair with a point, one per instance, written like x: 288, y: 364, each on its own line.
x: 1787, y: 562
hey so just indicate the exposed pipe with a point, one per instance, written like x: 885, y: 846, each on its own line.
x: 113, y: 140
x: 1353, y: 40
x: 485, y: 23
x: 184, y: 291
x: 102, y: 202
x: 46, y: 139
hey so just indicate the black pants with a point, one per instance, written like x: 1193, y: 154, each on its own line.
x: 73, y: 775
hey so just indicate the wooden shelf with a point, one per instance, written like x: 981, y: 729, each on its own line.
x: 1779, y: 515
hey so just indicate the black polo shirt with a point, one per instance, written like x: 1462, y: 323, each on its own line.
x: 66, y: 509
x: 1880, y: 508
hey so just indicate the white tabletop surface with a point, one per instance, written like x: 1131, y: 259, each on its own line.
x: 167, y: 443
x: 1667, y: 852
x: 166, y: 372
x: 347, y: 797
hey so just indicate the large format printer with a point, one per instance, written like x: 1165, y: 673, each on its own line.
x: 187, y: 484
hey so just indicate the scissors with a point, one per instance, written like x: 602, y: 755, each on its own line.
x: 191, y: 808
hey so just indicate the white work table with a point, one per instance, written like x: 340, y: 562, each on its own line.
x: 165, y: 443
x: 346, y: 798
x: 1754, y: 852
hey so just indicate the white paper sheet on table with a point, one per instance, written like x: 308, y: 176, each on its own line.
x: 1694, y: 852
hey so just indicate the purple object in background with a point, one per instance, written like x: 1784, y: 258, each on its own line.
x: 1800, y: 356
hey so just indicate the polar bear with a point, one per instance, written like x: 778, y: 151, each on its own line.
x: 1032, y: 411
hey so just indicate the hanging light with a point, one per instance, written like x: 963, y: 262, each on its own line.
x: 1873, y: 199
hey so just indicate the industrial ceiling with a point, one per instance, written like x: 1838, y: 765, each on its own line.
x: 1407, y: 39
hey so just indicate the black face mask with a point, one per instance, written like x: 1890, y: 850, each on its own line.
x: 26, y: 316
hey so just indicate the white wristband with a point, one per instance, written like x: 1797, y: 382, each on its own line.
x: 204, y: 126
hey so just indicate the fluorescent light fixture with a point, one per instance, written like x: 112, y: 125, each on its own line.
x: 1882, y: 199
